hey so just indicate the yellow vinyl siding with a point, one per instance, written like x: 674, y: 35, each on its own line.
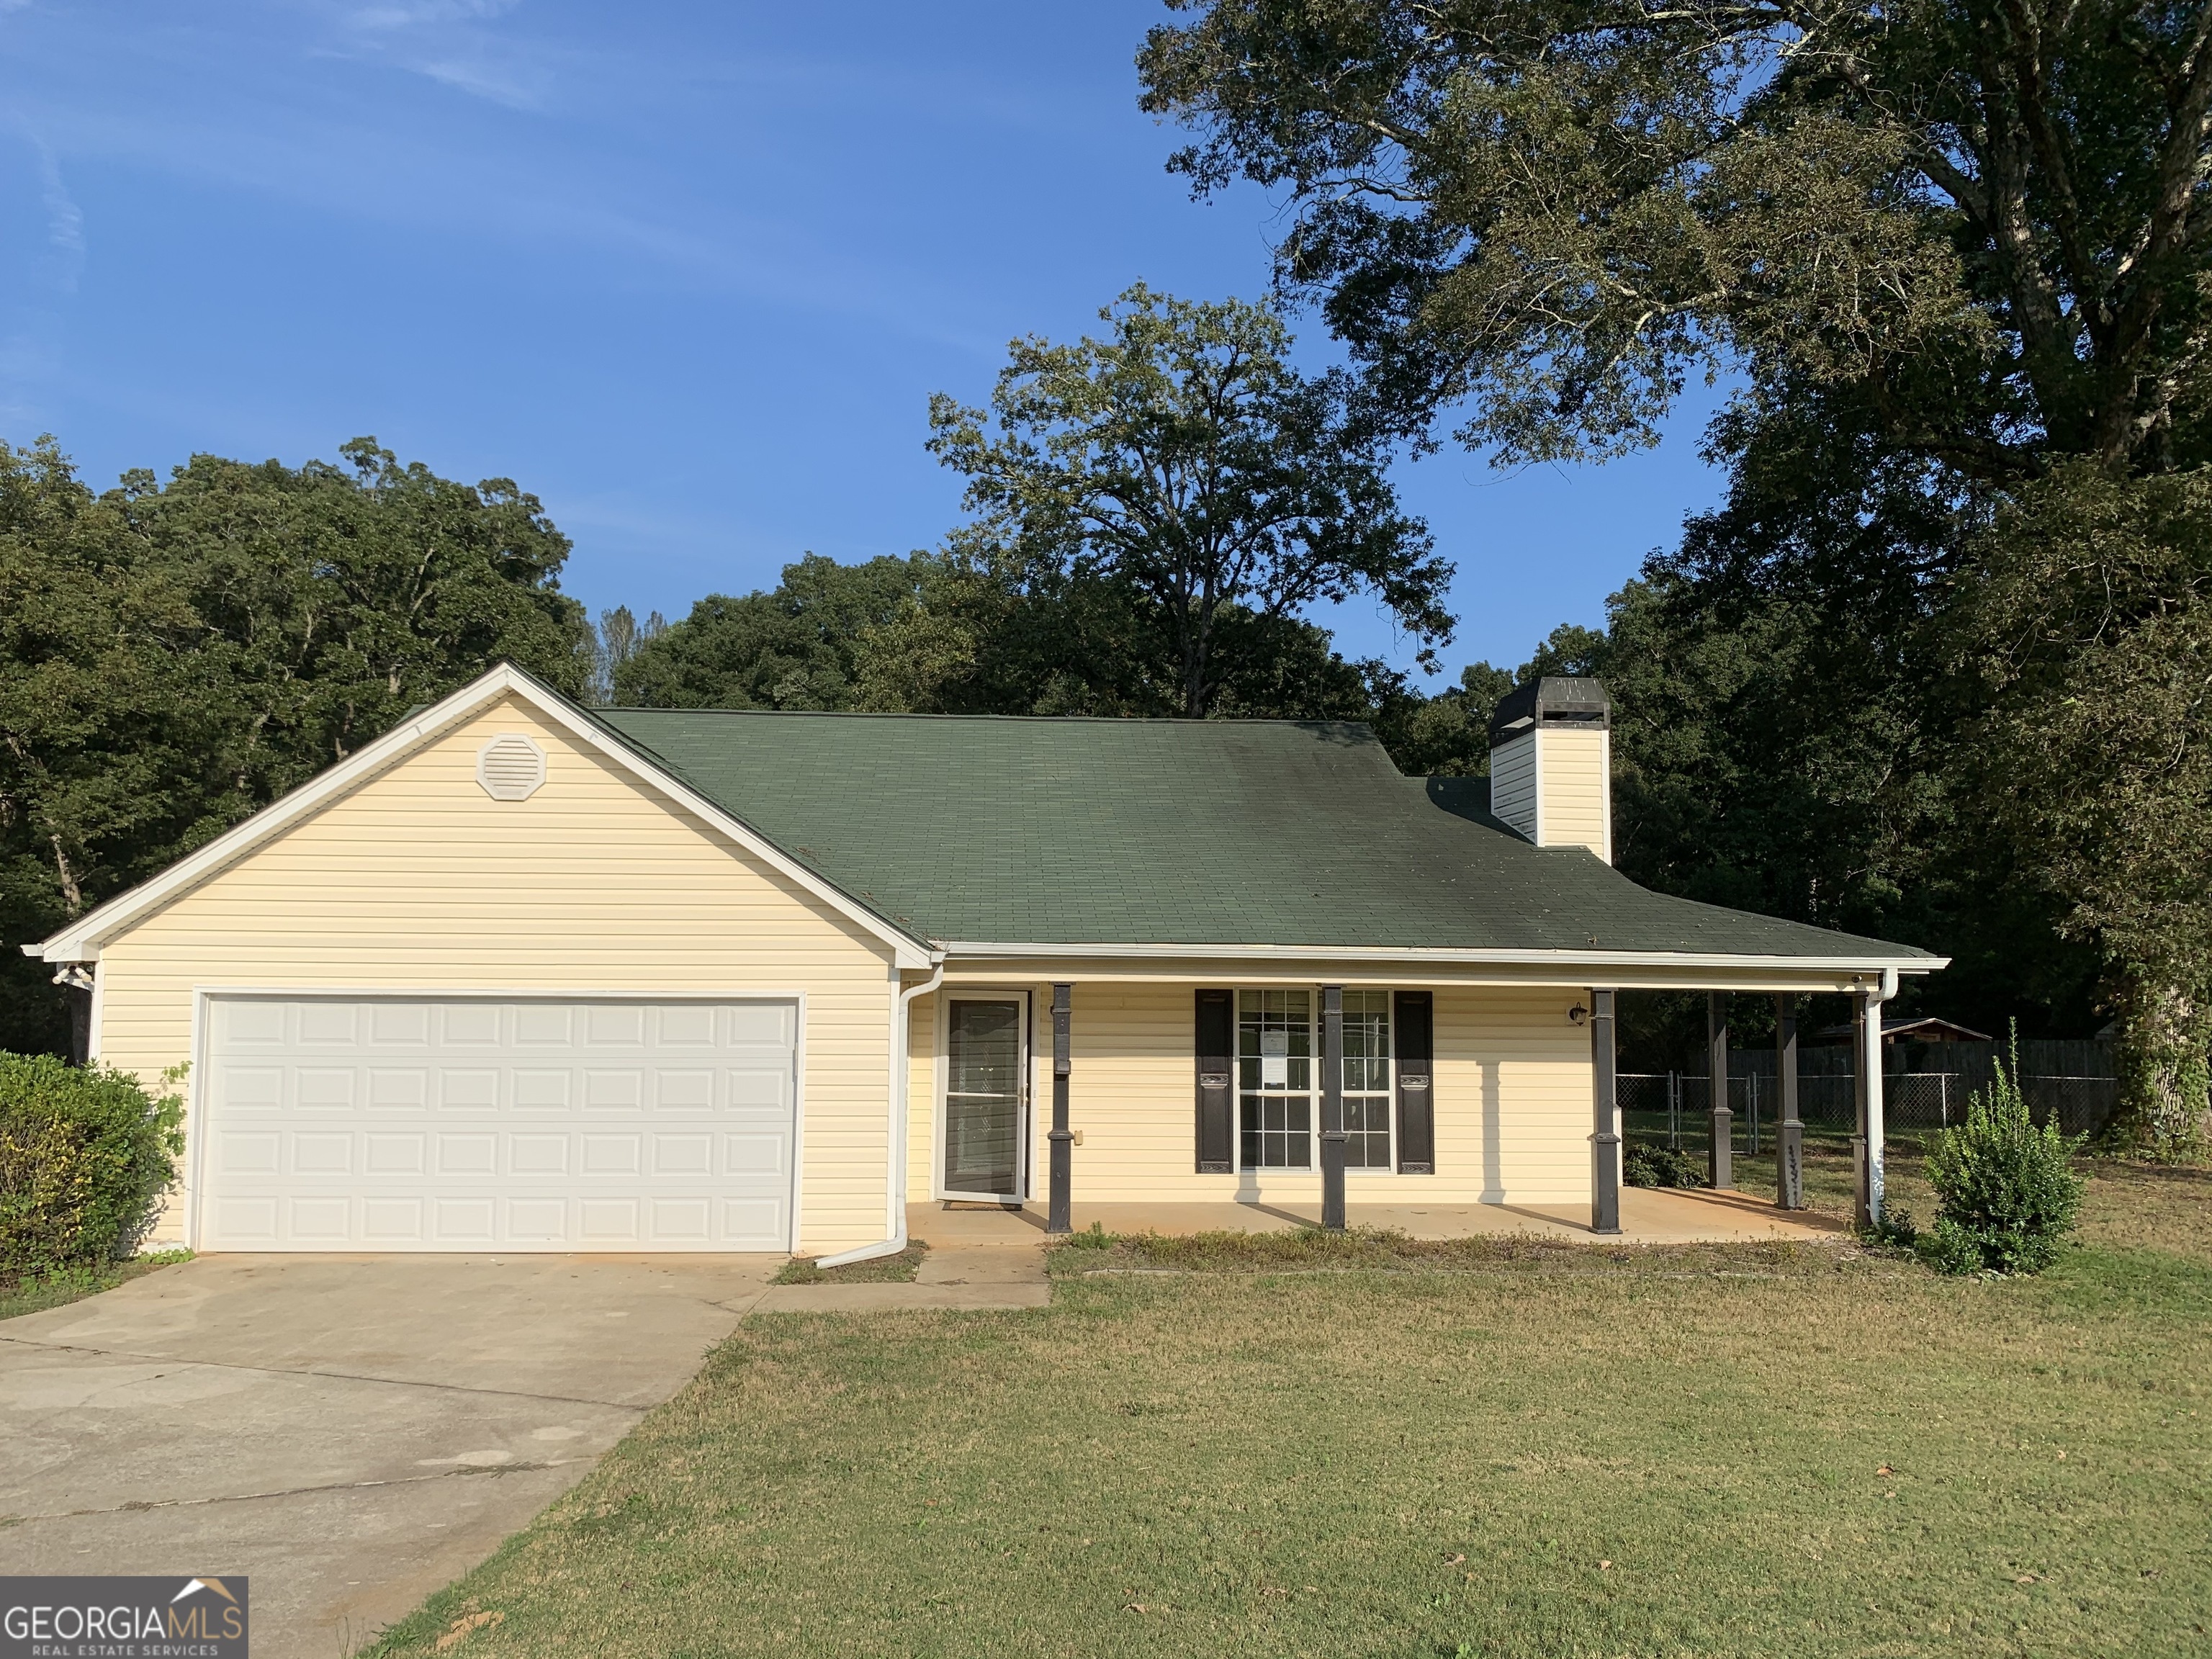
x: 921, y: 1100
x: 1512, y: 1103
x: 1574, y: 792
x: 419, y: 881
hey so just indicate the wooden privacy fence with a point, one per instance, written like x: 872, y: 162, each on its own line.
x: 1925, y: 1086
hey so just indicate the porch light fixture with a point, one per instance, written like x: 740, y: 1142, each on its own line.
x: 1577, y: 1014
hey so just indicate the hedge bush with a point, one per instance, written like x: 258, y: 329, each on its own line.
x: 1662, y: 1166
x: 2006, y: 1191
x: 85, y: 1155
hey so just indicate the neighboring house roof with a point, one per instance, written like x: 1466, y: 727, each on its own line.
x: 1274, y: 833
x: 1925, y: 1027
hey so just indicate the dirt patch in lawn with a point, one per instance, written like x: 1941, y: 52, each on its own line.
x: 896, y: 1269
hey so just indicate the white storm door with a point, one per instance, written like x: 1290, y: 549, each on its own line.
x: 460, y: 1123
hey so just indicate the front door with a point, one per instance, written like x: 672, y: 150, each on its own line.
x: 987, y: 1062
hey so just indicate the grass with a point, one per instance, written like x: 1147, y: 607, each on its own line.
x: 898, y: 1269
x: 1534, y: 1451
x: 35, y: 1292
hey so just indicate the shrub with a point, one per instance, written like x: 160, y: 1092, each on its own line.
x: 1893, y: 1230
x: 2006, y: 1192
x: 1662, y: 1166
x: 85, y: 1156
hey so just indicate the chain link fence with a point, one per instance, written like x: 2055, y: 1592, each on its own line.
x: 1669, y: 1108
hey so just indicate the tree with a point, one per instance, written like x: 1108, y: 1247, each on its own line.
x: 1954, y: 250
x: 173, y: 656
x: 1447, y: 735
x: 1183, y: 460
x: 792, y: 648
x: 1989, y: 217
x: 618, y: 638
x: 104, y: 760
x: 2091, y: 628
x: 335, y: 597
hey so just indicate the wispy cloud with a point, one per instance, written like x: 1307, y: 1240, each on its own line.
x: 446, y: 41
x: 64, y: 219
x: 431, y: 12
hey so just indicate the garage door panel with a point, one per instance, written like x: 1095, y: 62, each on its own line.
x: 680, y: 1027
x: 467, y: 1089
x: 466, y: 1024
x: 426, y: 1124
x: 676, y: 1090
x: 328, y: 1024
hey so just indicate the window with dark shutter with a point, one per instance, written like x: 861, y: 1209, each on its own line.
x: 1216, y: 1032
x: 1417, y: 1114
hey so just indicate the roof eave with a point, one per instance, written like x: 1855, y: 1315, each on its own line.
x: 1866, y: 963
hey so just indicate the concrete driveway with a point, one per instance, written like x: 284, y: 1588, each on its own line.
x: 351, y: 1431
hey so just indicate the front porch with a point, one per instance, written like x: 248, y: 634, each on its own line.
x: 1648, y: 1216
x: 1439, y: 1110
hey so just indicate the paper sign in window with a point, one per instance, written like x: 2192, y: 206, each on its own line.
x: 1274, y: 1059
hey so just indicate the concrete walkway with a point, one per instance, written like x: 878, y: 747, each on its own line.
x: 352, y: 1432
x: 1648, y: 1216
x: 966, y: 1270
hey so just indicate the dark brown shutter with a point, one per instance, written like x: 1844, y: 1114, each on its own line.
x: 1416, y: 1022
x: 1217, y: 1031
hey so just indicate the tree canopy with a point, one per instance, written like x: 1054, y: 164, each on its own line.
x: 1182, y: 458
x: 1989, y: 217
x: 1955, y: 255
x: 175, y: 655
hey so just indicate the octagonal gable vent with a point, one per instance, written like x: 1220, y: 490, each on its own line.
x: 511, y: 767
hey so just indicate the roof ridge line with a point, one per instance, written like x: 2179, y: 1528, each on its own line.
x: 1010, y: 719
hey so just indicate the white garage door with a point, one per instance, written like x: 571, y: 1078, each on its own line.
x: 430, y: 1123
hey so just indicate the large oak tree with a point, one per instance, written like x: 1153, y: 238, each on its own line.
x: 1181, y: 457
x: 1957, y: 253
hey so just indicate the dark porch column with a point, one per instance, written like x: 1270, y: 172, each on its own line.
x: 1605, y: 1138
x: 1332, y: 1107
x: 1056, y: 1212
x: 1790, y: 1131
x: 1720, y: 1166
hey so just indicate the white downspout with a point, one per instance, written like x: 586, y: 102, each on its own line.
x: 894, y: 1183
x: 1870, y: 1059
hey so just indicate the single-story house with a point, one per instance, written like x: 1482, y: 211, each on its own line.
x: 527, y: 975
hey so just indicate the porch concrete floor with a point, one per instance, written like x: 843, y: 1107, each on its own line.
x: 1648, y: 1216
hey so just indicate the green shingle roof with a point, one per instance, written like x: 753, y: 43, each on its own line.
x: 1172, y: 832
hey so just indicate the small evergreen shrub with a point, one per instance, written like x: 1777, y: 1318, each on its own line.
x: 1895, y: 1230
x: 1662, y: 1166
x: 2006, y: 1192
x: 85, y: 1155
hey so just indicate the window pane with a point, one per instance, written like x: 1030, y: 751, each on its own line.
x: 1367, y: 1079
x: 1275, y: 1053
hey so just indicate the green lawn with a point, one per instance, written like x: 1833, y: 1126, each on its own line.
x: 1485, y: 1450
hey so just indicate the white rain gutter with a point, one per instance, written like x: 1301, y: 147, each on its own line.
x: 901, y: 1093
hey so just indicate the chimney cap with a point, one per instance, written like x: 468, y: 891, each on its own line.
x: 1554, y: 700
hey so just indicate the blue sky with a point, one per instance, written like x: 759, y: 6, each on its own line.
x: 687, y: 272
